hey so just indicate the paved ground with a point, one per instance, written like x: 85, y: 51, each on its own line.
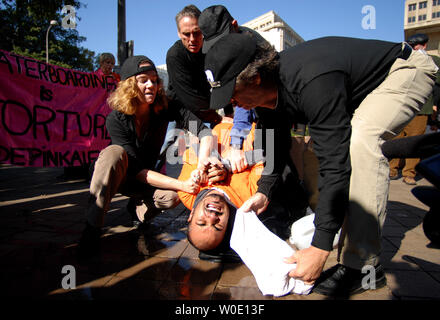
x: 42, y: 218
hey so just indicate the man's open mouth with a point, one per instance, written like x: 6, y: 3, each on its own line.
x: 214, y: 208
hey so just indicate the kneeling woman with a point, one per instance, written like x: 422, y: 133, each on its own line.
x: 137, y: 127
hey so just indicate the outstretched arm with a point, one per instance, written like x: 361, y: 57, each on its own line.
x: 161, y: 181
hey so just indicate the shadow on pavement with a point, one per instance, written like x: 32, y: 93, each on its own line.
x: 41, y: 222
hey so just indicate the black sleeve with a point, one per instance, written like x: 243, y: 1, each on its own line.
x: 324, y: 101
x: 187, y: 120
x: 193, y: 93
x: 273, y: 136
x: 120, y: 135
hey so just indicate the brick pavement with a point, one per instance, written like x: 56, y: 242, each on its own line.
x: 42, y: 218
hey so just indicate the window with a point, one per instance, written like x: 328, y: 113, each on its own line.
x: 436, y: 15
x: 411, y: 19
x: 412, y: 7
x: 434, y: 3
x: 422, y: 5
x: 422, y: 17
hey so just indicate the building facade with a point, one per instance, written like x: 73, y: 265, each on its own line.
x: 423, y: 16
x: 163, y: 74
x: 275, y: 30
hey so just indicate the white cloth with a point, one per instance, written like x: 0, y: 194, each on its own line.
x: 263, y: 253
x: 302, y: 231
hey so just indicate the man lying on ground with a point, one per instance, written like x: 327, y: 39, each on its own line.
x: 221, y: 193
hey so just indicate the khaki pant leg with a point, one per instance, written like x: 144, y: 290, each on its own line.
x: 110, y: 172
x: 395, y: 163
x: 416, y: 127
x: 161, y: 200
x: 380, y: 117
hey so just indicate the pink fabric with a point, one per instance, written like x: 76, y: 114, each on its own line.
x: 51, y: 116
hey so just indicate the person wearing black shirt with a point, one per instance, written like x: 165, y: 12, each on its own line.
x: 216, y: 22
x: 354, y: 94
x: 137, y: 127
x: 185, y: 66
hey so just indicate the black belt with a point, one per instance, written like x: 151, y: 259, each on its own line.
x: 406, y: 51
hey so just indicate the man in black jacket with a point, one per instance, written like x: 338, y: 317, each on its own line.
x: 354, y: 94
x: 185, y: 66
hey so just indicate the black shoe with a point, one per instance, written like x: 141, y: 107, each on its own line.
x: 342, y: 281
x: 229, y: 256
x: 90, y: 243
x: 131, y: 208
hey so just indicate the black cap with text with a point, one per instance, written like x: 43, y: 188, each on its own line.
x: 224, y: 62
x: 130, y: 67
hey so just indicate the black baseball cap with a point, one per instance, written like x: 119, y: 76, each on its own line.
x: 225, y: 60
x: 130, y: 67
x: 214, y: 22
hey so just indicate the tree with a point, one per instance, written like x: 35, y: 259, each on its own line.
x: 23, y: 26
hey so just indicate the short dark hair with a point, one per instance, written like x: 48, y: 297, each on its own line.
x: 418, y: 38
x: 265, y: 63
x: 189, y: 11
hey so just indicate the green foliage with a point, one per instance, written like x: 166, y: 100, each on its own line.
x: 23, y: 27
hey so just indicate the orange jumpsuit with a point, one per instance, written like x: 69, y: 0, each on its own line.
x: 238, y: 186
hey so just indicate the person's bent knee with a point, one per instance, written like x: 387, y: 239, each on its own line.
x: 113, y: 158
x: 113, y: 154
x: 166, y: 199
x: 109, y: 172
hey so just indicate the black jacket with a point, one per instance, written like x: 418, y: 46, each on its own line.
x: 187, y: 82
x: 187, y: 79
x: 321, y: 83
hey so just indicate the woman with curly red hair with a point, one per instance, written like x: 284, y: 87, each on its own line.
x: 137, y: 127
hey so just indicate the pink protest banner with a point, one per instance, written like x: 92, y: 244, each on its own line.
x: 51, y: 116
